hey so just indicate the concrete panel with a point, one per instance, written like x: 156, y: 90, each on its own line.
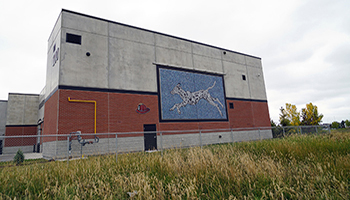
x: 234, y: 57
x: 216, y: 138
x: 31, y: 110
x: 253, y: 62
x: 204, y: 63
x: 203, y: 50
x: 174, y: 58
x: 78, y: 69
x: 131, y: 66
x: 52, y: 65
x: 22, y: 109
x: 3, y: 111
x: 235, y: 86
x: 15, y: 109
x: 58, y: 150
x: 256, y: 83
x: 178, y: 141
x: 13, y: 150
x: 55, y: 33
x: 131, y: 34
x: 173, y: 43
x: 84, y: 23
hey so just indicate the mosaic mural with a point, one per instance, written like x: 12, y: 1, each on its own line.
x: 191, y: 95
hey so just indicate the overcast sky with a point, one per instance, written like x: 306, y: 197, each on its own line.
x: 304, y: 45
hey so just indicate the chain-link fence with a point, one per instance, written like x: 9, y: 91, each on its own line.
x: 77, y: 144
x: 283, y: 131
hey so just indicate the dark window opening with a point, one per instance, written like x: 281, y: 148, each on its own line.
x: 54, y: 48
x: 243, y: 77
x: 72, y: 38
x: 231, y: 105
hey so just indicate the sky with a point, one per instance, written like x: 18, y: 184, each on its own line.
x: 304, y: 44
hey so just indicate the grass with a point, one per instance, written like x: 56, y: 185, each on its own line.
x: 296, y: 167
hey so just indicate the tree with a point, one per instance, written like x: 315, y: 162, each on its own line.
x: 273, y: 124
x: 342, y: 124
x: 289, y: 116
x: 293, y: 114
x: 347, y: 123
x: 310, y: 115
x: 19, y: 157
x: 335, y: 125
x: 284, y: 121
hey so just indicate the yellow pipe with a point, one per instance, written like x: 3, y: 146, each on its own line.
x: 86, y: 101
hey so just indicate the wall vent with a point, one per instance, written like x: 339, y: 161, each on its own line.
x: 72, y: 38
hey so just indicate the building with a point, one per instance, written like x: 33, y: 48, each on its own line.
x: 104, y: 77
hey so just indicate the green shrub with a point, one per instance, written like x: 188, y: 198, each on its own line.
x: 19, y: 157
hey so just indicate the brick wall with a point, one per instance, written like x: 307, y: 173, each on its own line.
x: 50, y: 117
x: 20, y: 131
x: 116, y: 112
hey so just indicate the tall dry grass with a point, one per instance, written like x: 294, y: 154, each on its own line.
x: 297, y: 167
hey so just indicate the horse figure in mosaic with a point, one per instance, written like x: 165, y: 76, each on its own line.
x: 192, y: 98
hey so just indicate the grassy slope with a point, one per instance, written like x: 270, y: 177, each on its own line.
x: 306, y: 167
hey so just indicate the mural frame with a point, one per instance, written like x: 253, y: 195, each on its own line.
x: 221, y: 76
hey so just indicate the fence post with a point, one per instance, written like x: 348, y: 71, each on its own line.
x: 316, y: 130
x: 200, y: 138
x: 116, y: 147
x: 67, y: 151
x: 283, y: 131
x: 161, y: 144
x: 329, y: 128
x: 259, y: 133
x: 301, y: 130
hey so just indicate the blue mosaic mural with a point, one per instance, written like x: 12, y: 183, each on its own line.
x: 190, y: 95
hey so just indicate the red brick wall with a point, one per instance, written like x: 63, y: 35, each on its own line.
x: 261, y: 114
x: 50, y: 117
x: 123, y: 115
x: 116, y: 112
x: 20, y: 131
x: 241, y: 115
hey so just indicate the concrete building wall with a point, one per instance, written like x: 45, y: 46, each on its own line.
x: 53, y: 65
x: 3, y: 111
x: 124, y: 57
x: 22, y: 109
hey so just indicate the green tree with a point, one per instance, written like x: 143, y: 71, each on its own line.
x: 335, y: 125
x: 284, y: 121
x: 310, y: 115
x: 347, y: 123
x: 273, y: 124
x: 19, y: 157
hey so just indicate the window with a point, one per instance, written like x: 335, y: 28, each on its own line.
x: 72, y: 38
x: 243, y: 77
x: 54, y: 48
x: 231, y: 105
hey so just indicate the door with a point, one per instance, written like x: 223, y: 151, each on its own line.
x: 150, y: 138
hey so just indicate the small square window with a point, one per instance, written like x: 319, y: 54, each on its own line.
x: 54, y: 48
x: 231, y: 105
x: 243, y: 77
x: 72, y: 38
